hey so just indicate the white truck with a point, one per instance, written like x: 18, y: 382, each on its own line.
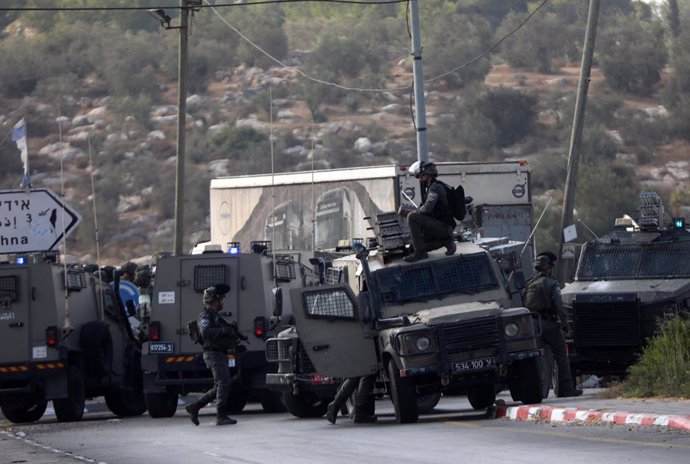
x: 316, y: 210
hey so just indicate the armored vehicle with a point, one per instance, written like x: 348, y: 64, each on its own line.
x: 173, y: 364
x: 444, y: 324
x: 65, y: 337
x: 624, y: 283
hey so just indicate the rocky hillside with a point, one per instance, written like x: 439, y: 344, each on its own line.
x: 133, y: 164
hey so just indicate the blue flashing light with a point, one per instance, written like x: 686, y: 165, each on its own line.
x: 234, y: 250
x: 679, y: 223
x: 21, y: 260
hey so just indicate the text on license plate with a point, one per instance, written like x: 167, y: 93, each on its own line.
x: 473, y: 364
x: 160, y: 347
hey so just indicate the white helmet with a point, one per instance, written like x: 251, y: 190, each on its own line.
x: 414, y: 169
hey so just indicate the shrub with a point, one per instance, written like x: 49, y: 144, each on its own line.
x: 664, y: 367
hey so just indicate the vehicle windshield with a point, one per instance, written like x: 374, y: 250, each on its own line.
x: 435, y: 279
x: 655, y: 260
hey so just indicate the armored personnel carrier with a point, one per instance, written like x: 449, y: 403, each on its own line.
x: 625, y: 282
x: 64, y: 337
x: 444, y: 324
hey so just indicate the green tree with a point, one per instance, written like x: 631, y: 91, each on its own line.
x: 615, y: 183
x: 264, y: 26
x: 454, y: 40
x: 632, y: 55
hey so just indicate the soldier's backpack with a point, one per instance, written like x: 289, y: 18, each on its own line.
x: 456, y: 201
x: 194, y: 332
x: 537, y: 297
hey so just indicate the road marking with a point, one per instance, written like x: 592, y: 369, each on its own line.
x: 23, y: 437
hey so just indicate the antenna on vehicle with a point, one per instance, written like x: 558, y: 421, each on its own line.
x: 95, y: 227
x: 313, y: 194
x: 273, y: 174
x: 67, y: 324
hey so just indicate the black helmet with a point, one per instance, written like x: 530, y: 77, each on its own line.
x: 428, y: 168
x: 217, y: 292
x: 544, y: 261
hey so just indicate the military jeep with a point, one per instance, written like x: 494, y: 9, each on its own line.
x: 65, y: 337
x: 625, y: 283
x: 441, y: 325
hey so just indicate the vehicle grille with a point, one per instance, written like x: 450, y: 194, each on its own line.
x: 278, y: 349
x: 469, y: 336
x: 606, y: 324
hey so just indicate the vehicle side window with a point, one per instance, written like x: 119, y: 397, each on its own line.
x: 111, y: 305
x: 329, y: 304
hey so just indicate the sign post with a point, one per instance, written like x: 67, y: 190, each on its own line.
x: 34, y: 220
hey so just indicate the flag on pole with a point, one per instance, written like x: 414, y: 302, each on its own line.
x: 19, y: 136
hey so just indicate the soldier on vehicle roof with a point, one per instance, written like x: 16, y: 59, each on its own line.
x: 432, y: 225
x: 219, y: 338
x: 543, y: 296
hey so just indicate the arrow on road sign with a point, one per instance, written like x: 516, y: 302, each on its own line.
x: 34, y: 220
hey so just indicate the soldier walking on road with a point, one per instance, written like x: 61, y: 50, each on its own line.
x: 543, y: 295
x: 219, y: 338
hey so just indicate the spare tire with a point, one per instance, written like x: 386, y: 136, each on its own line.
x: 97, y: 342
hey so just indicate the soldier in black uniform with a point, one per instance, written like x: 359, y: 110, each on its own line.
x: 219, y: 338
x: 431, y: 226
x: 543, y: 295
x: 364, y: 399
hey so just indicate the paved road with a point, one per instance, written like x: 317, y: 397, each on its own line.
x: 449, y: 435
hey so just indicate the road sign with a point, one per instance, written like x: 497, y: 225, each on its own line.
x: 34, y: 220
x: 568, y: 251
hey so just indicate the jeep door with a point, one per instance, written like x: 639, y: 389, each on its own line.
x: 330, y: 325
x: 14, y: 315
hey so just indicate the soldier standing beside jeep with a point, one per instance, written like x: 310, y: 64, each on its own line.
x: 218, y: 337
x: 543, y: 296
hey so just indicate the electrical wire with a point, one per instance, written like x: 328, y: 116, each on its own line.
x: 178, y: 7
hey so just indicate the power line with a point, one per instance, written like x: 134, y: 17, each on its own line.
x: 178, y: 7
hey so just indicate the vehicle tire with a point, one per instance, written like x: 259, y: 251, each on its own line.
x: 305, y: 404
x: 71, y: 409
x: 404, y: 396
x: 97, y: 342
x: 271, y: 401
x: 530, y: 381
x: 427, y: 402
x: 25, y: 409
x: 161, y: 405
x: 481, y: 396
x: 126, y: 403
x: 238, y: 400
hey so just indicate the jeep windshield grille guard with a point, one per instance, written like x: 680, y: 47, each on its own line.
x: 651, y: 260
x: 434, y: 279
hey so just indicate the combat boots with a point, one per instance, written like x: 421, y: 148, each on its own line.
x: 193, y: 411
x: 225, y: 420
x: 364, y: 418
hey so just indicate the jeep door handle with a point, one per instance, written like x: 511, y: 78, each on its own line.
x: 320, y: 347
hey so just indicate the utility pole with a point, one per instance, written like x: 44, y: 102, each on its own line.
x: 418, y: 79
x: 564, y: 265
x: 181, y: 126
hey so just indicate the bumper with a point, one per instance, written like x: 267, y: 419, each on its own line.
x: 28, y: 377
x: 301, y: 382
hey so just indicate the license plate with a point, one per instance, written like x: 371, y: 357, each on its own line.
x: 473, y: 364
x: 160, y: 347
x: 231, y: 361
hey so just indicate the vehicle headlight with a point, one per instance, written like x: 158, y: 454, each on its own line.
x: 423, y: 343
x: 511, y: 329
x: 414, y: 343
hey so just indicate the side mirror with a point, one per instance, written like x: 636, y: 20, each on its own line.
x: 278, y: 302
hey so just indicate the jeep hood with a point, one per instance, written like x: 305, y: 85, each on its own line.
x: 648, y: 290
x: 456, y: 313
